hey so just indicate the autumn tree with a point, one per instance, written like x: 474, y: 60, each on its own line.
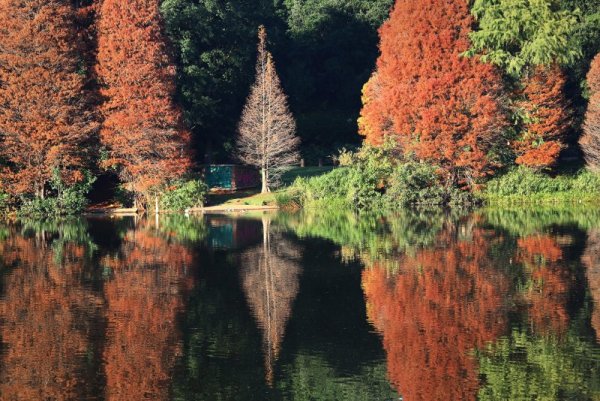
x: 142, y: 132
x: 550, y: 283
x: 443, y: 107
x: 45, y: 118
x: 591, y: 261
x: 546, y: 118
x: 267, y: 131
x: 590, y: 141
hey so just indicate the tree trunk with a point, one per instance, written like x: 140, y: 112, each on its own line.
x: 265, y: 184
x: 156, y: 208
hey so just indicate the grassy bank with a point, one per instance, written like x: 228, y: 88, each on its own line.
x: 414, y: 184
x: 524, y: 186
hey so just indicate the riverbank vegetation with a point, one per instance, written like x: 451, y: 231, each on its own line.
x: 142, y: 93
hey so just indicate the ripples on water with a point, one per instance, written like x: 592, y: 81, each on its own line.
x: 493, y: 305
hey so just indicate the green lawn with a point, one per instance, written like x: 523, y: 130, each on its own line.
x: 253, y: 197
x: 306, y: 172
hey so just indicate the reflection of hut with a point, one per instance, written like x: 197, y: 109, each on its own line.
x: 230, y: 177
x: 591, y: 260
x: 270, y: 281
x: 229, y: 233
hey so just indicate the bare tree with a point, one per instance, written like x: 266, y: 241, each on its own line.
x: 267, y: 130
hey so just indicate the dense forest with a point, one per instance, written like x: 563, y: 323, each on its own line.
x: 148, y: 90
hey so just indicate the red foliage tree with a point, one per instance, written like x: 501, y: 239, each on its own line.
x: 45, y: 117
x: 143, y: 130
x: 439, y: 306
x: 547, y: 118
x: 590, y: 141
x: 444, y: 108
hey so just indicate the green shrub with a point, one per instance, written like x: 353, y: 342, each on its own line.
x: 184, y: 195
x: 62, y: 200
x: 4, y: 203
x: 524, y: 181
x: 289, y: 199
x: 415, y: 183
x: 525, y: 185
x: 348, y: 187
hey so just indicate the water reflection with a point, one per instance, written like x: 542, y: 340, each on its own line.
x: 50, y: 316
x: 591, y: 259
x: 436, y: 306
x: 144, y: 295
x: 270, y: 274
x: 432, y: 305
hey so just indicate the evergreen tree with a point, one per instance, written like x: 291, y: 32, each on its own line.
x: 519, y: 34
x: 330, y: 52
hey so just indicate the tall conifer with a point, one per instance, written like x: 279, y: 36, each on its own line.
x: 45, y: 118
x: 142, y: 131
x: 444, y: 108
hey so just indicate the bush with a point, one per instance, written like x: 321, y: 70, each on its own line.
x: 420, y: 184
x: 415, y: 183
x: 525, y: 185
x: 63, y: 200
x: 184, y: 195
x: 4, y: 203
x: 347, y: 187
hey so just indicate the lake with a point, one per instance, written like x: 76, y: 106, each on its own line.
x: 496, y: 304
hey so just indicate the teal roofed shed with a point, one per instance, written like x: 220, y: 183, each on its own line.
x: 231, y: 177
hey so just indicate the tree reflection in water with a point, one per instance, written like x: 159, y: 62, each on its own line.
x: 270, y: 274
x: 432, y: 310
x: 144, y: 296
x: 49, y: 315
x: 591, y: 259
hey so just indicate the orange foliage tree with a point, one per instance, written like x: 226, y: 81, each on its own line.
x: 547, y: 118
x: 143, y: 299
x: 142, y: 131
x: 590, y: 141
x: 444, y: 108
x: 45, y: 117
x: 439, y: 305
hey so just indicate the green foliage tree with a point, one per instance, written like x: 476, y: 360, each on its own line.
x: 214, y: 45
x: 329, y: 53
x: 518, y: 34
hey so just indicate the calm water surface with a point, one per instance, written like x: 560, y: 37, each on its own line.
x: 430, y: 306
